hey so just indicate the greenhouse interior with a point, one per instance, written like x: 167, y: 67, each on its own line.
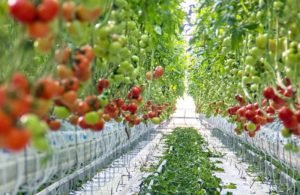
x: 150, y: 97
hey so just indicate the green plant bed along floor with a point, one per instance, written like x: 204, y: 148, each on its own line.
x: 188, y: 169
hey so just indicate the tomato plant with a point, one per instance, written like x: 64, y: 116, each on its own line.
x: 86, y: 62
x: 250, y: 49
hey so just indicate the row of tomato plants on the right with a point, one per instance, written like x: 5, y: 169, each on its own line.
x: 246, y: 63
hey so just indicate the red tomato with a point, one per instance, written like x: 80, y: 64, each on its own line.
x: 22, y: 10
x: 19, y: 82
x: 5, y: 123
x: 132, y: 108
x: 17, y: 139
x: 2, y: 95
x: 120, y: 102
x: 99, y: 126
x: 103, y: 83
x: 20, y: 107
x: 47, y: 10
x: 158, y: 72
x: 83, y: 108
x: 82, y: 123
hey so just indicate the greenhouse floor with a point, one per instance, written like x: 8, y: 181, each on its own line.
x: 125, y: 174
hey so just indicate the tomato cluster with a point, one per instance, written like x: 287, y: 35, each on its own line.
x: 35, y: 17
x: 120, y: 51
x: 276, y: 104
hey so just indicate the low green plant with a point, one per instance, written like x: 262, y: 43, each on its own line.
x: 188, y: 169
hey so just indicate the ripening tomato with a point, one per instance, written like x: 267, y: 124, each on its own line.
x: 22, y: 10
x: 54, y: 125
x: 73, y: 119
x: 69, y: 98
x: 83, y: 14
x: 47, y: 10
x: 38, y: 29
x: 63, y: 72
x: 82, y: 63
x: 148, y: 75
x: 68, y: 10
x: 88, y: 52
x: 83, y: 108
x: 84, y: 75
x: 17, y: 139
x: 47, y: 88
x: 45, y: 44
x: 106, y: 117
x: 63, y: 55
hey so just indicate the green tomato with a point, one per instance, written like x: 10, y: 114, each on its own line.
x: 254, y: 87
x: 240, y: 73
x: 262, y: 41
x: 121, y: 3
x: 250, y: 60
x: 256, y: 52
x: 277, y: 5
x: 256, y: 79
x: 290, y: 57
x: 155, y: 120
x: 61, y: 112
x: 103, y: 32
x: 145, y: 38
x: 41, y: 144
x: 127, y: 80
x: 249, y: 69
x: 135, y: 58
x: 103, y: 100
x: 246, y: 80
x: 286, y: 132
x: 115, y: 47
x: 251, y: 127
x: 142, y: 44
x: 125, y: 52
x: 34, y: 125
x: 131, y: 25
x: 119, y: 78
x: 123, y: 40
x: 91, y: 118
x: 227, y: 42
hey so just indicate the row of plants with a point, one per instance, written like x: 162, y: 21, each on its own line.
x: 188, y: 168
x: 256, y: 164
x: 86, y: 62
x: 246, y: 62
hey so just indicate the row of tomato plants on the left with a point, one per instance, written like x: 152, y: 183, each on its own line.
x: 107, y: 66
